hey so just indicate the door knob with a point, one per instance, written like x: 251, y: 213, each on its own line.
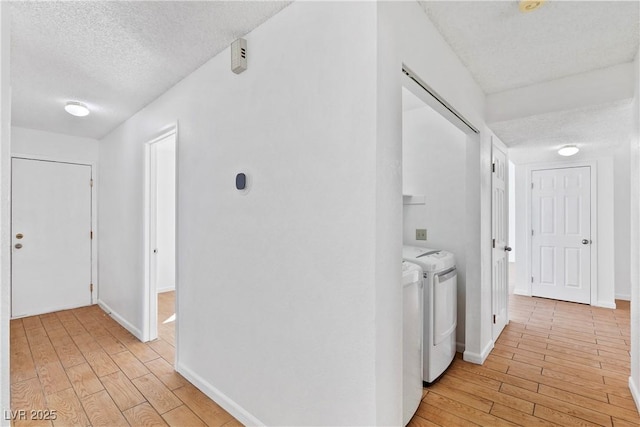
x: 18, y: 245
x: 507, y: 248
x: 19, y: 236
x: 585, y: 241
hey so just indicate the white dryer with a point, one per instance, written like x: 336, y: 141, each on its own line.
x: 412, y: 314
x: 440, y: 308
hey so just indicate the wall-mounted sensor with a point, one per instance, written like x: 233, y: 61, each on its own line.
x: 239, y: 56
x: 241, y: 181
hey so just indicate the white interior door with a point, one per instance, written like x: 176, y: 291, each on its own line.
x: 499, y: 254
x: 561, y: 234
x: 51, y: 236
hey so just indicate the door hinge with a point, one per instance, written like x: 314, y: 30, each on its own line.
x: 91, y: 182
x: 91, y: 234
x: 494, y: 243
x: 494, y: 318
x: 91, y: 287
x: 532, y: 231
x: 531, y: 279
x: 532, y: 185
x: 493, y: 167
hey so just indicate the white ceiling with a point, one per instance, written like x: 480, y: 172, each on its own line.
x: 504, y: 48
x: 600, y: 125
x: 116, y: 57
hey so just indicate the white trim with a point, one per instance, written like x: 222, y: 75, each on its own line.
x: 166, y: 289
x: 605, y: 304
x: 476, y: 358
x: 635, y: 392
x: 517, y: 291
x: 623, y: 297
x: 221, y: 399
x: 94, y: 209
x: 150, y: 301
x: 593, y: 165
x: 121, y: 320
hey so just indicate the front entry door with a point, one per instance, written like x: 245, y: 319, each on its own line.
x: 51, y: 236
x: 561, y: 234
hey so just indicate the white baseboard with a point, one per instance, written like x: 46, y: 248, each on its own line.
x: 221, y: 399
x: 460, y: 347
x: 635, y: 392
x: 524, y: 293
x: 606, y: 304
x: 624, y: 297
x: 167, y: 289
x: 121, y: 320
x: 476, y: 358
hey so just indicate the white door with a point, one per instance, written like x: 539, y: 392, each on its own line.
x: 499, y: 254
x: 561, y: 234
x: 51, y: 236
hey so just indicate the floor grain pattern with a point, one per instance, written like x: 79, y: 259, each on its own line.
x: 555, y: 364
x: 92, y: 371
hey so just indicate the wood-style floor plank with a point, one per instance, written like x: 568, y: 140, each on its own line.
x: 556, y: 363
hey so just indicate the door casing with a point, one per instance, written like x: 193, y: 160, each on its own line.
x: 150, y: 301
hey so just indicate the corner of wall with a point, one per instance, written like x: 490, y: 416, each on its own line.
x: 122, y: 321
x: 478, y: 358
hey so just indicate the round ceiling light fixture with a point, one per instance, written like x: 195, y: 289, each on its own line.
x: 568, y: 150
x: 530, y: 5
x: 77, y: 109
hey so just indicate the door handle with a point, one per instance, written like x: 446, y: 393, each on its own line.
x: 586, y: 241
x: 18, y: 245
x: 19, y: 236
x: 507, y: 248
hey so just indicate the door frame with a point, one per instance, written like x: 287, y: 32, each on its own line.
x: 593, y: 165
x: 150, y: 305
x: 94, y: 214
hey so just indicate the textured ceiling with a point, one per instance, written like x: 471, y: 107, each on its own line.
x: 596, y: 127
x: 116, y: 57
x: 504, y: 48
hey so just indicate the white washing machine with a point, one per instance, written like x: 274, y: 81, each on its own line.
x: 440, y: 308
x: 412, y: 314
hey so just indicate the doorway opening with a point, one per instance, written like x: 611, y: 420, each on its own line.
x: 437, y: 142
x: 160, y: 239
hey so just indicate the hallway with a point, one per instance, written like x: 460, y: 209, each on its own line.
x: 88, y: 369
x: 556, y: 363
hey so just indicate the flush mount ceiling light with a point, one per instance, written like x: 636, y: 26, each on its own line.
x: 530, y: 5
x: 568, y: 150
x: 76, y: 109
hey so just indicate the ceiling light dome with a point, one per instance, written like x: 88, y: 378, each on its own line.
x: 568, y: 150
x: 76, y: 109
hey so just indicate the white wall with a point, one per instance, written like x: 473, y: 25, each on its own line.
x: 605, y: 220
x: 622, y: 220
x: 166, y: 209
x: 53, y: 146
x: 513, y: 220
x: 5, y: 194
x: 433, y: 165
x: 277, y: 293
x: 405, y: 35
x: 634, y: 379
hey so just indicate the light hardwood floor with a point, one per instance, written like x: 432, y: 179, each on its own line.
x: 91, y: 371
x: 556, y: 363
